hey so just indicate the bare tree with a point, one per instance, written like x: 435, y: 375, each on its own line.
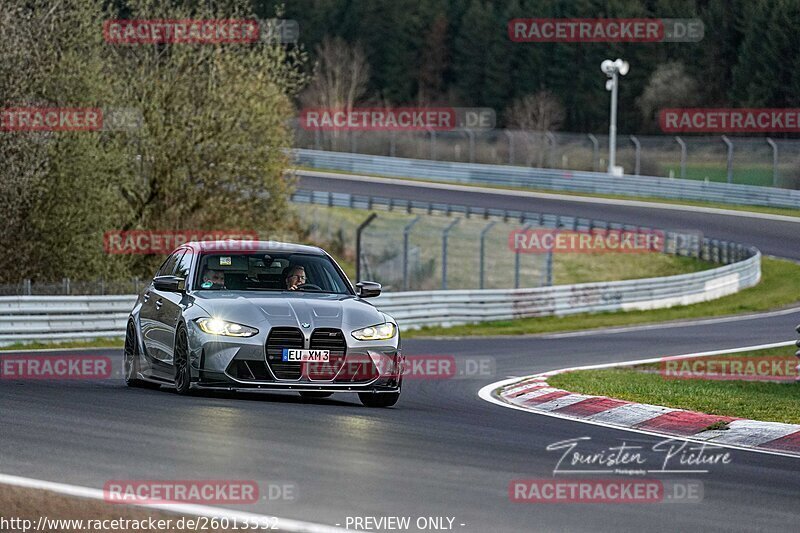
x: 341, y: 75
x: 669, y: 86
x: 540, y: 113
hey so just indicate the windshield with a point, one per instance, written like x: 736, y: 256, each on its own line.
x: 269, y: 272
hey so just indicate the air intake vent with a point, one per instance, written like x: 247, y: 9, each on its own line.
x: 327, y: 339
x: 280, y: 338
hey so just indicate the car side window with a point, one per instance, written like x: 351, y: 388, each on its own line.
x: 169, y: 265
x: 183, y: 265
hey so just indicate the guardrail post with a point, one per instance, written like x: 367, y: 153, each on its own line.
x: 471, y: 135
x: 393, y: 144
x: 683, y: 155
x: 352, y: 141
x: 526, y: 227
x: 26, y: 286
x: 548, y: 269
x: 433, y: 143
x: 317, y: 140
x: 637, y: 154
x: 774, y: 161
x: 360, y: 230
x: 729, y: 144
x: 406, y: 233
x: 551, y: 144
x: 595, y: 151
x: 484, y: 231
x: 65, y: 285
x: 510, y: 146
x: 445, y: 234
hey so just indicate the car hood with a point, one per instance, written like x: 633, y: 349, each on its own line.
x: 284, y: 309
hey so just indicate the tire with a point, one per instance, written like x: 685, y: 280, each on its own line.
x: 314, y: 395
x: 130, y: 361
x: 384, y: 399
x: 183, y: 374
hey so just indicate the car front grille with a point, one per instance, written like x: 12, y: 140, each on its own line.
x: 327, y: 339
x: 280, y: 338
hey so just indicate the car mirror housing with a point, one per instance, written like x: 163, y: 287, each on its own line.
x: 169, y: 283
x: 368, y: 289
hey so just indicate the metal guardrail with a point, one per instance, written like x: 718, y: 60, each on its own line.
x: 63, y: 318
x: 447, y: 308
x: 550, y: 179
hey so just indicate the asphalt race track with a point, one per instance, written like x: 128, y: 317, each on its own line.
x: 442, y: 451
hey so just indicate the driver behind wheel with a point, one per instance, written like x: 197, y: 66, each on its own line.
x: 294, y: 277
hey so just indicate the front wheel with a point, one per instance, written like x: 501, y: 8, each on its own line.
x: 385, y: 399
x: 183, y: 375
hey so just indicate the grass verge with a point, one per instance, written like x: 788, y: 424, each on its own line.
x: 779, y: 287
x: 756, y: 400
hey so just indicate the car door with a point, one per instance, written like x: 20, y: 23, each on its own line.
x: 148, y: 316
x: 154, y: 335
x: 171, y: 306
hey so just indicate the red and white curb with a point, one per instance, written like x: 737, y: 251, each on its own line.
x: 533, y: 394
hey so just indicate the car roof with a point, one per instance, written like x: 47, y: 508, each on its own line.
x: 233, y: 246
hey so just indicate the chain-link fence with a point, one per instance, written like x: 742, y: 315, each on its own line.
x: 745, y: 160
x: 414, y: 248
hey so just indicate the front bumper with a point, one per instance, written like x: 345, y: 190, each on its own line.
x: 243, y: 363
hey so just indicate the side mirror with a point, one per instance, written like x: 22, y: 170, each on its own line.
x: 169, y: 283
x: 368, y: 289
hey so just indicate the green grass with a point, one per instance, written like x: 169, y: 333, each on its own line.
x: 779, y: 287
x: 696, y: 203
x: 752, y: 175
x: 95, y: 343
x: 766, y: 401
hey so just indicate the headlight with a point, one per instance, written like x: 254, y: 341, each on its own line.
x: 381, y: 332
x: 217, y: 326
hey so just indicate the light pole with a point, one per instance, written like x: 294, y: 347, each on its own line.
x: 613, y: 69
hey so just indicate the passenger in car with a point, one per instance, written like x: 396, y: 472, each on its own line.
x: 213, y: 279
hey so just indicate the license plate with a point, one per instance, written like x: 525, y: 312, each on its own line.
x: 306, y: 356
